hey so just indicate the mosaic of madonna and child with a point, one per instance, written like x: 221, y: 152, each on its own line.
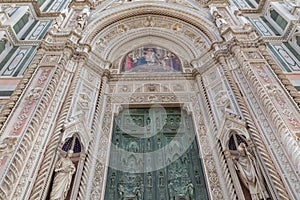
x: 151, y: 59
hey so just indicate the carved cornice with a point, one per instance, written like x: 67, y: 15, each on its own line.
x: 36, y: 7
x: 288, y: 33
x: 208, y: 60
x: 258, y: 9
x: 82, y: 3
x: 151, y: 77
x: 61, y: 42
x: 15, y: 40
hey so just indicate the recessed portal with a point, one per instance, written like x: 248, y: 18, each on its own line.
x: 154, y: 155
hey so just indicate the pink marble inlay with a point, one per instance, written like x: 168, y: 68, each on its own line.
x: 279, y: 101
x: 26, y: 112
x: 29, y: 105
x: 263, y: 75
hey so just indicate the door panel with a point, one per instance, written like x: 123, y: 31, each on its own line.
x: 154, y: 156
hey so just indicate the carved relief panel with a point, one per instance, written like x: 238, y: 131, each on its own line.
x: 85, y: 96
x: 219, y: 94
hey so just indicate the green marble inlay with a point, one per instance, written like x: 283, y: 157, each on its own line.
x: 161, y: 160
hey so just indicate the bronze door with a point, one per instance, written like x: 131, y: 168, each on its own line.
x: 154, y: 156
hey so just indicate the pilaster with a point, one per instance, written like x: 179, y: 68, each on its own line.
x: 246, y: 51
x: 88, y: 173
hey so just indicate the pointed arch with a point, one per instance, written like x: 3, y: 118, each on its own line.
x: 79, y: 128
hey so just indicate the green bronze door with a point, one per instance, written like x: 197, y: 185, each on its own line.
x: 154, y: 156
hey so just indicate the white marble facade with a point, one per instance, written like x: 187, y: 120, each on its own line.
x: 99, y: 58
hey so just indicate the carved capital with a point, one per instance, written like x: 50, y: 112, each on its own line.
x: 196, y: 73
x: 106, y: 73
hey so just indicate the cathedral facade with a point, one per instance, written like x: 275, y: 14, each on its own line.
x: 158, y: 100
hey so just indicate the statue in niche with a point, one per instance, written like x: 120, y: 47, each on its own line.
x: 133, y: 147
x: 161, y: 179
x: 59, y: 20
x: 81, y: 21
x: 112, y: 180
x: 250, y: 174
x: 149, y: 179
x: 64, y: 171
x: 219, y: 20
x: 243, y: 19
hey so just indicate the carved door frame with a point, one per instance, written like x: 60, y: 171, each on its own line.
x: 113, y: 104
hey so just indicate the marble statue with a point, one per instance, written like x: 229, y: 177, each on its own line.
x: 249, y: 173
x: 64, y: 171
x: 219, y: 20
x: 81, y: 21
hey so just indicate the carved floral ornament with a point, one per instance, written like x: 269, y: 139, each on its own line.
x: 165, y: 11
x: 165, y: 24
x: 169, y: 32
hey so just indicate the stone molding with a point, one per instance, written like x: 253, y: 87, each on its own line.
x: 114, y: 100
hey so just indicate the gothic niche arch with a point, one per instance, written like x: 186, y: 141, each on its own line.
x: 64, y: 183
x: 244, y: 168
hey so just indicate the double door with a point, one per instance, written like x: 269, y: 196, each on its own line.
x: 154, y: 156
